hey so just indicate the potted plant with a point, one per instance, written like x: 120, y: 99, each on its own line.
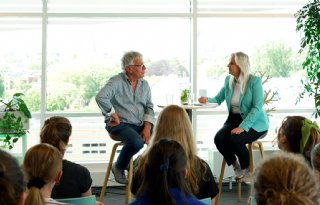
x: 14, y: 119
x: 308, y: 23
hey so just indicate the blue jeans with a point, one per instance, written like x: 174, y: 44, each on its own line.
x: 130, y: 135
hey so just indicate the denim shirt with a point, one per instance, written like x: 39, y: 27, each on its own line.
x: 133, y: 107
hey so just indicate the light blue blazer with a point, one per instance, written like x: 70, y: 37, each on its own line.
x: 250, y: 104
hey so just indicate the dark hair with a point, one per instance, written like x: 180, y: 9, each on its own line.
x: 11, y: 180
x: 291, y: 128
x: 56, y: 131
x: 164, y: 169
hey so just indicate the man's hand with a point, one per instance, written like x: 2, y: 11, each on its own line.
x: 146, y: 132
x: 114, y: 120
x: 237, y: 131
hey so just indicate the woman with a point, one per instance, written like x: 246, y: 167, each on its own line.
x: 12, y: 186
x: 43, y: 168
x: 298, y: 134
x: 165, y: 174
x: 247, y: 120
x: 174, y: 123
x: 76, y: 180
x: 285, y: 179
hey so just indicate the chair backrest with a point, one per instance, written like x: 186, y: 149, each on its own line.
x: 206, y: 200
x: 88, y: 200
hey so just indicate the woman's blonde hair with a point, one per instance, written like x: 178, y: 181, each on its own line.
x: 243, y: 62
x: 174, y: 123
x: 285, y: 179
x: 56, y: 131
x: 42, y: 164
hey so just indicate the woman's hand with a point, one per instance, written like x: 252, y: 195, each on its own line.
x: 203, y: 99
x: 237, y: 131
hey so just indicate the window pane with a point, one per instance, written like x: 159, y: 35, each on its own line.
x: 20, y: 6
x: 232, y: 7
x: 119, y: 6
x: 87, y: 53
x: 20, y: 59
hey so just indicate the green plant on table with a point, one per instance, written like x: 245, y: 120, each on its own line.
x: 184, y: 95
x: 15, y: 114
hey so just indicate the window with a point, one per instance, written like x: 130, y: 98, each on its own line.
x: 61, y: 65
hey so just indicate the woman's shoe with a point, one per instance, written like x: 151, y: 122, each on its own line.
x: 237, y: 170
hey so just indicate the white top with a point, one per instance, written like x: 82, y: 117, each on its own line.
x: 235, y: 98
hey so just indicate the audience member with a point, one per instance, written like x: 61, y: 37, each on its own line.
x: 174, y: 123
x: 43, y: 168
x: 298, y: 134
x: 125, y: 101
x: 247, y: 120
x: 165, y: 176
x: 76, y: 180
x: 12, y: 186
x: 285, y: 179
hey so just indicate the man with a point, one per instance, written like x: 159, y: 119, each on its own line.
x: 125, y: 101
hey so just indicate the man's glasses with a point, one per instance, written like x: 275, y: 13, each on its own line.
x: 139, y: 66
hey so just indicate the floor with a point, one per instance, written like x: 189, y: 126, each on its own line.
x: 115, y: 195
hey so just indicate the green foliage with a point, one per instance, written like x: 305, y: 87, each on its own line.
x: 308, y: 23
x: 12, y: 124
x: 1, y: 87
x: 277, y: 59
x: 184, y: 95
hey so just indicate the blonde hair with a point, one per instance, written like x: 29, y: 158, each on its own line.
x: 285, y: 179
x: 243, y: 62
x: 42, y: 162
x: 56, y: 131
x: 174, y: 123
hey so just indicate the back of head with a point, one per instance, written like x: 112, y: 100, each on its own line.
x: 56, y: 131
x: 42, y: 165
x: 128, y: 58
x: 12, y: 183
x: 164, y: 169
x: 301, y: 135
x: 285, y: 179
x: 174, y: 123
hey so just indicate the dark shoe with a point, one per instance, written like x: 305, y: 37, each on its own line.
x: 119, y: 175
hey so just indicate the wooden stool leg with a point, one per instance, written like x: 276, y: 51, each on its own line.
x: 128, y: 189
x: 250, y: 157
x: 261, y: 150
x: 223, y: 166
x: 250, y: 146
x: 104, y: 186
x: 239, y: 191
